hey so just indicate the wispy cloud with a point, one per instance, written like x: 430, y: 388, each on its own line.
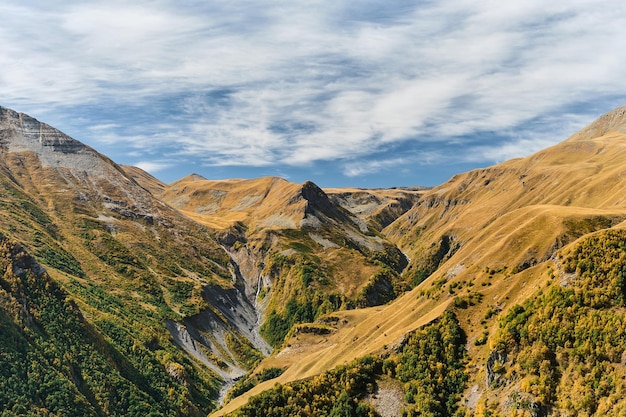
x: 355, y: 169
x: 290, y: 84
x: 153, y: 166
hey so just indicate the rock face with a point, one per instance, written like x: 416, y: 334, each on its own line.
x: 21, y: 132
x: 318, y: 203
x: 494, y: 365
x: 205, y: 336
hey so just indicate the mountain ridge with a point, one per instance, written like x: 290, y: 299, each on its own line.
x: 199, y: 277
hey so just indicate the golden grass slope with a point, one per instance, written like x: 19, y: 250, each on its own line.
x: 581, y: 178
x: 260, y: 203
x: 505, y: 223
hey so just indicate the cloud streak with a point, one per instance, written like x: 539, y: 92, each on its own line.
x: 285, y: 84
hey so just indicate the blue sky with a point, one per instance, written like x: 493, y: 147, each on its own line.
x: 343, y: 93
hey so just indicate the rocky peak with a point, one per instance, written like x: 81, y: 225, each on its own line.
x: 194, y: 177
x: 70, y: 165
x: 314, y: 194
x: 318, y: 201
x: 20, y: 132
x: 613, y: 121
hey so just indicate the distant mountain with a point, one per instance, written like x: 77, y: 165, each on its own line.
x: 377, y: 207
x: 300, y: 254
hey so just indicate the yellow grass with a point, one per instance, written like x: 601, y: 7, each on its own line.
x: 260, y: 203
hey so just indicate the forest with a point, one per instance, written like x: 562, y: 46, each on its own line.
x: 53, y: 362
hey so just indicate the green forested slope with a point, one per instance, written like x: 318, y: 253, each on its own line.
x: 52, y: 361
x: 563, y: 351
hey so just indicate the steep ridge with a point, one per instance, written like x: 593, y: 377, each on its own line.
x: 480, y: 245
x: 147, y: 181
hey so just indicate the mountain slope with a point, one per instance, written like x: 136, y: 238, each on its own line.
x: 149, y: 305
x: 548, y: 197
x: 482, y: 244
x: 300, y: 254
x: 131, y: 262
x: 54, y: 361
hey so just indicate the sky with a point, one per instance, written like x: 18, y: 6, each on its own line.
x: 342, y: 93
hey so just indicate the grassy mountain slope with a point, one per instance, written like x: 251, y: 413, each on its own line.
x: 140, y: 272
x: 300, y: 254
x: 482, y: 245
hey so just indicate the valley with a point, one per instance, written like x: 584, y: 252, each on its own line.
x: 277, y: 290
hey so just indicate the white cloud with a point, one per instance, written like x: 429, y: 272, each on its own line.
x: 308, y: 82
x: 355, y: 169
x: 153, y: 166
x: 103, y: 127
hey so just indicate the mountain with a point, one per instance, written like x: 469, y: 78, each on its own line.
x: 141, y: 273
x: 536, y: 204
x: 499, y: 292
x: 167, y: 288
x: 300, y: 254
x: 492, y: 246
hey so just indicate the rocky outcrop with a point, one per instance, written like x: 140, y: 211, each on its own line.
x: 319, y: 203
x: 377, y: 292
x: 378, y: 208
x: 494, y: 368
